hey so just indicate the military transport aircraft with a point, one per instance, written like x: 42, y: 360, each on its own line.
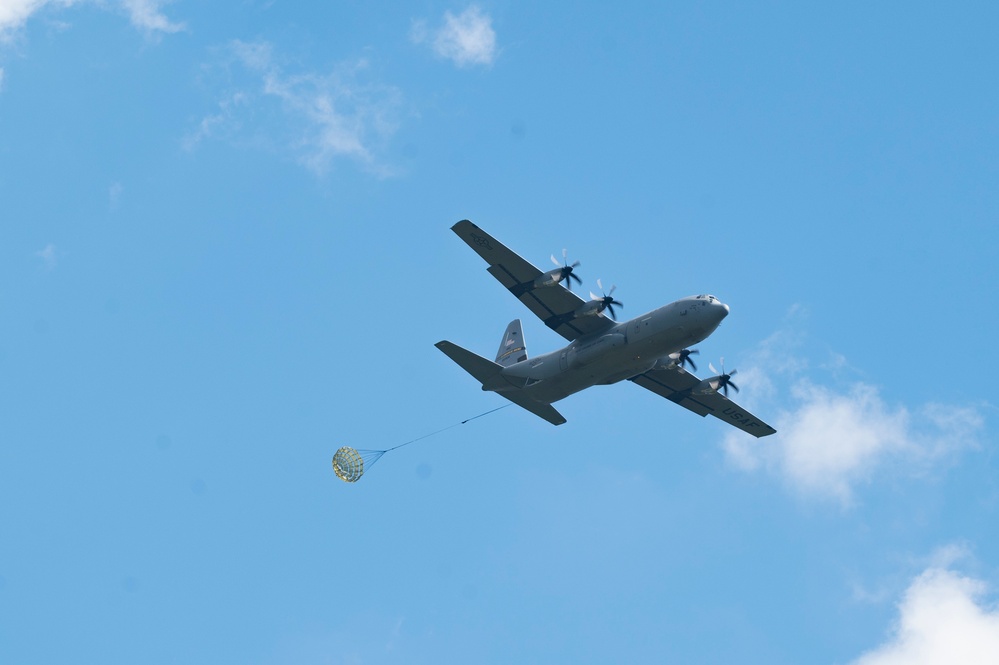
x: 650, y: 350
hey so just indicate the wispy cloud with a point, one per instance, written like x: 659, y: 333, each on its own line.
x: 49, y: 256
x: 319, y: 117
x: 114, y: 194
x: 466, y: 39
x: 942, y: 618
x: 830, y: 440
x: 15, y: 13
x: 145, y: 15
x: 217, y: 125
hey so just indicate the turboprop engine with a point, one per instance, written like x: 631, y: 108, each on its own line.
x: 597, y: 304
x: 560, y: 274
x: 721, y: 382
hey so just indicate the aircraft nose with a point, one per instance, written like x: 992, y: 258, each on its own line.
x: 722, y: 309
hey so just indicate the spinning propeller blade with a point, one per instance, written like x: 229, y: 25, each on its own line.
x: 684, y: 358
x: 567, y: 275
x: 724, y: 380
x: 606, y: 301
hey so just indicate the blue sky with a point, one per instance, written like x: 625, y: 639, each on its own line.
x: 225, y: 252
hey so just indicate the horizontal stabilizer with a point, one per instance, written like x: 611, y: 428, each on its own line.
x: 486, y: 371
x: 546, y: 411
x: 479, y: 367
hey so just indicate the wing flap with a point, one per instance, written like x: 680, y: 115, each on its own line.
x: 677, y: 384
x: 674, y: 388
x: 554, y: 305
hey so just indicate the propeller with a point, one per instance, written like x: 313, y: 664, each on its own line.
x: 684, y: 357
x: 724, y: 380
x: 567, y: 275
x: 606, y: 301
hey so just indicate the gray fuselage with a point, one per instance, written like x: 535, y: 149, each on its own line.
x: 626, y: 350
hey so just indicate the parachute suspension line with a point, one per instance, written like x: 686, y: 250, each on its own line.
x: 426, y: 436
x: 349, y: 464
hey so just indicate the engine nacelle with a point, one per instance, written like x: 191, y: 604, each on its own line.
x: 667, y: 362
x: 708, y: 386
x: 550, y: 278
x: 590, y: 308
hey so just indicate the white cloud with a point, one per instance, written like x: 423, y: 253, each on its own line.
x: 223, y: 122
x: 942, y: 620
x: 466, y: 39
x: 144, y: 14
x: 319, y: 116
x: 829, y: 440
x: 15, y: 13
x: 49, y: 256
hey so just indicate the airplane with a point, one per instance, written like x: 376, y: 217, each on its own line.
x: 651, y: 350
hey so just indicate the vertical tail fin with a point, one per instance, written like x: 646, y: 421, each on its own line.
x: 512, y: 349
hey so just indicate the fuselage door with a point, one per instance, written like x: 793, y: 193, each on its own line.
x: 640, y: 329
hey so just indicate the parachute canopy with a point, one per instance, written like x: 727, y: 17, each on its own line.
x: 349, y: 464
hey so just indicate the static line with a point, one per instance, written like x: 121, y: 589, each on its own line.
x: 425, y: 436
x: 350, y: 464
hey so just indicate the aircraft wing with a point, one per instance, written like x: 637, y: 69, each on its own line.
x: 677, y: 384
x: 552, y: 304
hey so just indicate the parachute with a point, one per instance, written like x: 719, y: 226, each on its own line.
x: 349, y: 464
